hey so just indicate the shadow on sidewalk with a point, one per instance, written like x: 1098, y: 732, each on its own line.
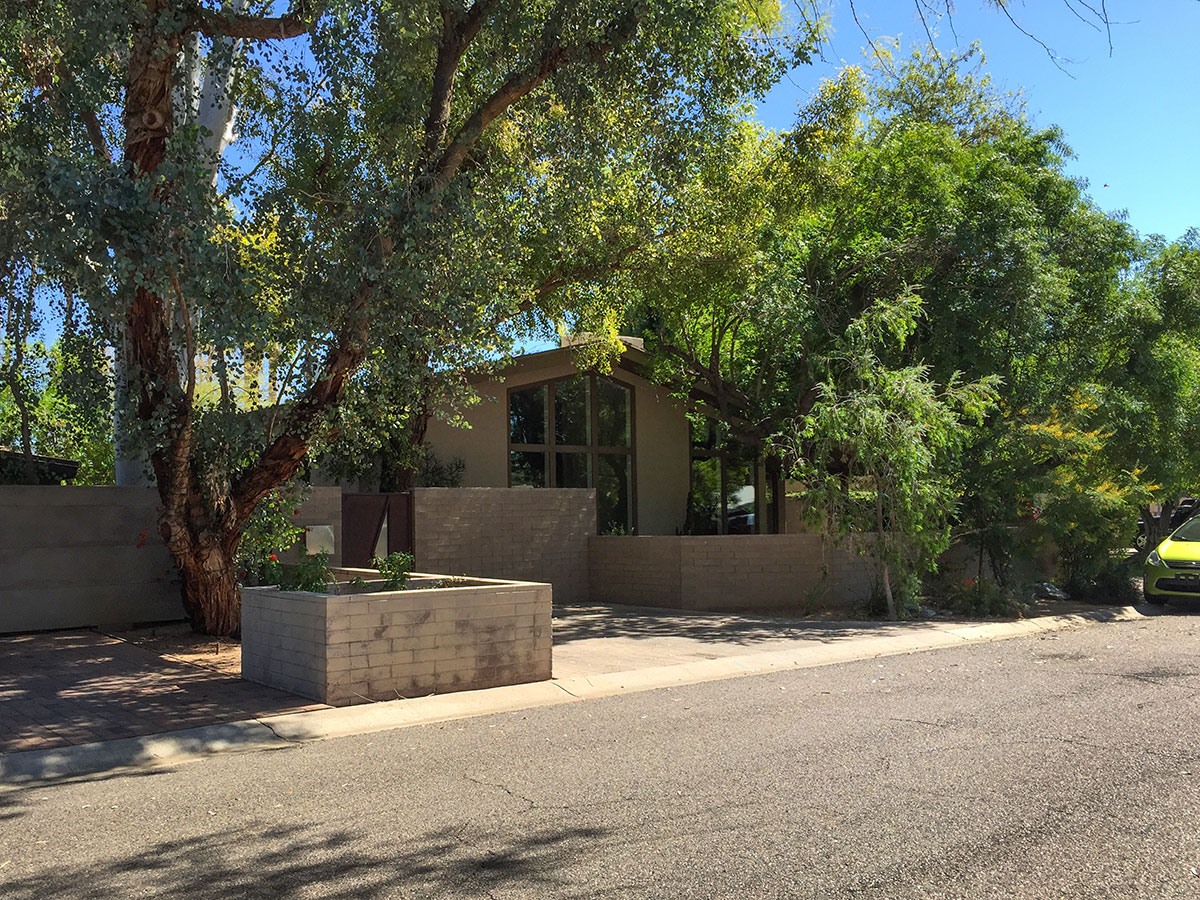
x: 577, y: 623
x: 292, y: 861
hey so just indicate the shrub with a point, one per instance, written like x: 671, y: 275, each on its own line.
x: 395, y: 569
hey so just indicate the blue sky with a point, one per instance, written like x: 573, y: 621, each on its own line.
x: 1131, y: 118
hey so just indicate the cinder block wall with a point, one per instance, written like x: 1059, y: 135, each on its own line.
x: 527, y: 535
x: 283, y: 640
x: 638, y: 571
x: 728, y: 573
x: 69, y: 558
x: 322, y: 507
x: 343, y: 650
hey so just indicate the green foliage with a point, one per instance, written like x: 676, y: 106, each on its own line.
x: 879, y: 452
x: 394, y: 569
x: 916, y: 207
x: 980, y: 598
x: 381, y: 227
x: 310, y: 574
x: 271, y: 530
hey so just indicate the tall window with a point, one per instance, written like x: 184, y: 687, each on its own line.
x: 576, y: 432
x: 732, y: 490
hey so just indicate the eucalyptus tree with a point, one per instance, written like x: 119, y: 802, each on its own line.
x: 405, y: 178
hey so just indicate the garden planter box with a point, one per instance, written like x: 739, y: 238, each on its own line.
x: 439, y: 635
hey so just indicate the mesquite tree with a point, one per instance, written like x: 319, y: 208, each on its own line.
x: 406, y: 181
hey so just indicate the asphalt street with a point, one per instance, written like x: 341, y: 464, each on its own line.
x: 1063, y: 765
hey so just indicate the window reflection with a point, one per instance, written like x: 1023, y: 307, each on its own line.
x: 576, y: 432
x: 572, y: 470
x: 527, y: 416
x: 613, y: 507
x: 573, y: 411
x: 613, y: 409
x: 704, y: 499
x: 527, y: 469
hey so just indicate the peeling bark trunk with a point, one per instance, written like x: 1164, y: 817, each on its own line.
x: 211, y: 596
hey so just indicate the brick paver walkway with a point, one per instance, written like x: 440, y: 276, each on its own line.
x: 79, y: 686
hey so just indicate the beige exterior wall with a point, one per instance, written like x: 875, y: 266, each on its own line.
x: 661, y: 440
x: 69, y: 558
x: 343, y: 650
x: 528, y: 535
x: 759, y: 572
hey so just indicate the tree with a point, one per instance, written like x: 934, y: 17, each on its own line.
x: 410, y: 173
x: 916, y: 180
x: 1151, y: 401
x: 878, y: 452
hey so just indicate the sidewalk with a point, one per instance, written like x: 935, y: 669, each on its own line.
x: 720, y: 647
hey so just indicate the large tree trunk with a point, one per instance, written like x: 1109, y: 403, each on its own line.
x: 211, y: 594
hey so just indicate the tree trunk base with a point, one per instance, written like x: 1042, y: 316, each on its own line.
x: 211, y: 595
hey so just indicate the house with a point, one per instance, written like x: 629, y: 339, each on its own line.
x: 543, y: 422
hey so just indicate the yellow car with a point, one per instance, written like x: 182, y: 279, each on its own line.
x: 1173, y: 567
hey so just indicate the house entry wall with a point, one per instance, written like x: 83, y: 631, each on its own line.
x: 759, y: 572
x: 76, y: 556
x: 524, y: 534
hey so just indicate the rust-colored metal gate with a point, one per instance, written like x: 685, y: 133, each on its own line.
x: 367, y: 517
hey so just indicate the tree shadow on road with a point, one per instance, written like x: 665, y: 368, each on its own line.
x: 291, y: 861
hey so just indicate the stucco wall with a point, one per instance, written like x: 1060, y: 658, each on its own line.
x: 661, y: 441
x: 343, y: 650
x: 69, y: 558
x: 730, y: 572
x: 525, y: 534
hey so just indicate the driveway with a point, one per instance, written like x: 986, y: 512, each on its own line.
x: 76, y: 687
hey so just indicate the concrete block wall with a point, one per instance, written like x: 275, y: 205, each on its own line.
x: 523, y: 534
x: 323, y: 506
x: 283, y: 639
x: 638, y: 571
x: 728, y: 573
x: 69, y: 558
x: 349, y: 649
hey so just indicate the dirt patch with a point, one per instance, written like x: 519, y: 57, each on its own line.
x: 177, y: 642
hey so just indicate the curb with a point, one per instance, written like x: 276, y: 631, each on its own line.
x: 277, y: 732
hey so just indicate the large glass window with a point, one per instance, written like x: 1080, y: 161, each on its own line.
x: 527, y: 416
x: 732, y: 490
x: 576, y: 432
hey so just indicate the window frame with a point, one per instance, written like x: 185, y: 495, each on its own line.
x: 594, y: 450
x: 768, y: 490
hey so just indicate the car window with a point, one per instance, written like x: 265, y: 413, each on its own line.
x: 1188, y: 531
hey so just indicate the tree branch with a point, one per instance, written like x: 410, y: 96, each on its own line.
x: 458, y: 31
x: 254, y: 28
x: 521, y: 83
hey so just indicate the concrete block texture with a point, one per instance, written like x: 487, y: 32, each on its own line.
x: 728, y: 573
x: 74, y: 556
x: 521, y: 534
x: 350, y: 649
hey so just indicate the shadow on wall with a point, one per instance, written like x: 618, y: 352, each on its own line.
x: 580, y: 623
x: 292, y: 861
